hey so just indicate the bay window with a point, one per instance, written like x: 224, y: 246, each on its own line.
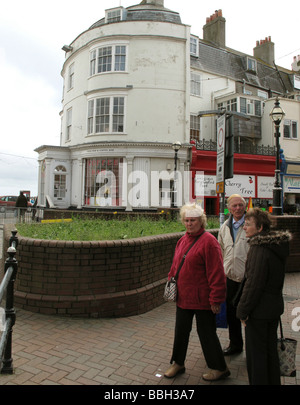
x: 111, y: 58
x: 106, y: 115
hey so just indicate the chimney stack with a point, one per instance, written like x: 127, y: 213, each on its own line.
x: 214, y: 29
x: 265, y: 50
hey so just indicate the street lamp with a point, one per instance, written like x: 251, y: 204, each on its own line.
x: 176, y: 146
x: 277, y: 114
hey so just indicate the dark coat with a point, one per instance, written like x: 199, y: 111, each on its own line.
x: 21, y: 201
x: 264, y: 276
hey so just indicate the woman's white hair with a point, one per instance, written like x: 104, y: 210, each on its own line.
x: 195, y: 211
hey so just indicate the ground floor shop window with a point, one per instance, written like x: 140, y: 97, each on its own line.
x: 103, y: 182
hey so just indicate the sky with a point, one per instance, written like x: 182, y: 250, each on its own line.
x: 32, y: 33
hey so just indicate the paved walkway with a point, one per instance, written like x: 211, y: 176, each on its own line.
x: 50, y: 350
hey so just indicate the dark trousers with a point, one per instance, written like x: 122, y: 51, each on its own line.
x: 234, y: 324
x: 207, y: 332
x: 261, y: 352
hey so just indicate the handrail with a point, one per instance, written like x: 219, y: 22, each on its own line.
x: 7, y: 290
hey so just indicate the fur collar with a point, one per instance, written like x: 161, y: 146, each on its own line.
x: 271, y: 238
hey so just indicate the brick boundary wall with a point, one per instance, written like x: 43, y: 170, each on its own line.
x: 104, y: 278
x: 92, y: 279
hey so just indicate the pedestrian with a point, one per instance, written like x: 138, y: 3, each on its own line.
x: 201, y: 290
x: 234, y: 246
x: 261, y: 302
x: 21, y: 205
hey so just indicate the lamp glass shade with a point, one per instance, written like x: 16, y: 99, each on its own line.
x: 176, y: 146
x: 277, y: 114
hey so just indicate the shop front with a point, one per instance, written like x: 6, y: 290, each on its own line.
x: 253, y: 177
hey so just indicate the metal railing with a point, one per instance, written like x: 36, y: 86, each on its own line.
x: 12, y: 215
x: 243, y: 149
x: 7, y: 294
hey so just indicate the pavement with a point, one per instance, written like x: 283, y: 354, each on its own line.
x: 136, y: 350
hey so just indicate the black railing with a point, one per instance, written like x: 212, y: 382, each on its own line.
x: 244, y: 148
x: 7, y: 293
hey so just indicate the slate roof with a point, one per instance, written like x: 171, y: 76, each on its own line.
x: 147, y: 12
x: 224, y: 62
x: 232, y: 64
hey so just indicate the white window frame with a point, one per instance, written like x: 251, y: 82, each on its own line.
x: 71, y: 77
x: 114, y: 15
x: 196, y: 87
x: 251, y: 106
x: 251, y: 65
x: 195, y: 127
x: 106, y: 114
x: 290, y: 128
x: 229, y: 105
x: 60, y: 182
x: 110, y: 55
x: 69, y: 124
x: 194, y: 45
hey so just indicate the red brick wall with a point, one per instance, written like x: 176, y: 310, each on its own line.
x: 99, y: 279
x: 104, y: 279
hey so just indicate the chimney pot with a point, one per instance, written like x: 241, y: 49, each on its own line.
x: 215, y: 31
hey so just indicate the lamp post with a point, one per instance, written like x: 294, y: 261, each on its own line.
x: 277, y: 114
x: 176, y: 146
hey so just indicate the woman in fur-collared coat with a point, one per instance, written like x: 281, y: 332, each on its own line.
x: 261, y: 303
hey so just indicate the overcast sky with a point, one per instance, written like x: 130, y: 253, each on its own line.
x: 32, y: 33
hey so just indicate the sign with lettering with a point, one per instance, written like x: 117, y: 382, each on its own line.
x: 205, y: 185
x: 265, y: 187
x: 239, y: 184
x: 291, y: 184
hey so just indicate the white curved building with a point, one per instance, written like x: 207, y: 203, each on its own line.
x: 126, y: 101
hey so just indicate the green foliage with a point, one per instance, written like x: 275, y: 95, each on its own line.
x: 101, y: 229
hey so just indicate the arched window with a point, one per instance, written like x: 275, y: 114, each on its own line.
x: 60, y: 182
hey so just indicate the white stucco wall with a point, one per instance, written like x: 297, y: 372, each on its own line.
x: 155, y: 84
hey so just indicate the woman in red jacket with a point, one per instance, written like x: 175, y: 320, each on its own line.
x: 201, y: 290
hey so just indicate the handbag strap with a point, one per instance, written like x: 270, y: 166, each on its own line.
x: 281, y: 330
x: 184, y: 256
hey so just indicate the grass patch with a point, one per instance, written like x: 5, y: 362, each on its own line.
x: 100, y: 229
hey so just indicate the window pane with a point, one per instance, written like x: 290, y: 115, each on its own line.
x: 243, y: 105
x: 118, y: 114
x: 93, y: 63
x: 195, y: 84
x: 193, y: 46
x: 120, y: 58
x: 104, y: 59
x: 258, y: 108
x: 294, y: 130
x: 286, y: 129
x: 195, y: 127
x: 91, y: 117
x: 102, y: 115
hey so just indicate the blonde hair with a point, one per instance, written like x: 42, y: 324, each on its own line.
x: 197, y: 212
x: 236, y: 196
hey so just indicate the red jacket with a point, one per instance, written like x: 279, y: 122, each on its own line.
x: 201, y: 281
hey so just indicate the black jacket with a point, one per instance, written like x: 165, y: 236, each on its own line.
x: 264, y: 276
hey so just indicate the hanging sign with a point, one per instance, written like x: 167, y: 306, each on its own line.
x: 220, y: 154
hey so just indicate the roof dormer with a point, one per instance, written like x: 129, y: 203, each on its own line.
x: 115, y: 14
